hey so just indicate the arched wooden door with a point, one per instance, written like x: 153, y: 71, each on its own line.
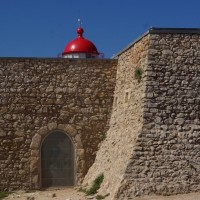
x: 57, y: 160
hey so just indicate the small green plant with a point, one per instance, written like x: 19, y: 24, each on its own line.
x: 138, y: 73
x: 4, y: 195
x: 95, y: 185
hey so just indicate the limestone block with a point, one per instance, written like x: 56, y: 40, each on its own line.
x: 43, y: 131
x: 70, y: 130
x: 61, y: 126
x: 35, y: 153
x: 34, y: 181
x: 19, y: 133
x: 80, y: 153
x: 152, y: 51
x: 78, y: 141
x: 35, y: 161
x: 36, y: 140
x: 52, y: 126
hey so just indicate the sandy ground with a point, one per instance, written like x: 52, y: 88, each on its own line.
x: 72, y: 194
x: 191, y: 196
x: 55, y: 194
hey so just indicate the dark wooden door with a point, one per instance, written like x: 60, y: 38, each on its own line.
x: 57, y: 160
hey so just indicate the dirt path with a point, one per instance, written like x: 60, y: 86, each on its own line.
x: 55, y: 194
x: 72, y: 194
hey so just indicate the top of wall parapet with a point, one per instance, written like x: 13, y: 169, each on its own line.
x: 55, y: 60
x: 155, y: 30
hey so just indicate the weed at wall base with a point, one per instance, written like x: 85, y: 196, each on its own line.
x: 95, y: 185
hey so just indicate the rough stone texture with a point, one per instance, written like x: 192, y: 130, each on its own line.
x: 42, y: 95
x: 167, y: 158
x: 126, y: 120
x: 152, y: 145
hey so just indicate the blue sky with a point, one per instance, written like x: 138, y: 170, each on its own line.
x: 42, y: 28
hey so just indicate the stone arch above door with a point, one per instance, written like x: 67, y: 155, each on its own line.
x: 35, y: 170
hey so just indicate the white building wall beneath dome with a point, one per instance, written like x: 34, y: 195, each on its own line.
x: 80, y: 55
x: 75, y: 55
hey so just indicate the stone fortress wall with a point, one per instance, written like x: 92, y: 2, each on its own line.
x: 150, y: 132
x: 39, y: 96
x: 152, y: 145
x: 126, y: 119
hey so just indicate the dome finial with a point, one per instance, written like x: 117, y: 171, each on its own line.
x: 80, y: 47
x: 80, y: 29
x: 79, y: 23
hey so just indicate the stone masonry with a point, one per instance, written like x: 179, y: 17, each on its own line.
x: 134, y: 118
x: 152, y: 145
x: 42, y: 95
x: 126, y: 120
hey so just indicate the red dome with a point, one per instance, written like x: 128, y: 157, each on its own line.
x: 80, y: 45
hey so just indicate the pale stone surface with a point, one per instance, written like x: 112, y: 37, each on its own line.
x: 167, y: 158
x: 35, y: 144
x: 126, y: 120
x: 152, y: 146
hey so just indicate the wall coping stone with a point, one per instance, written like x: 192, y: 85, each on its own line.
x: 53, y: 59
x: 156, y: 30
